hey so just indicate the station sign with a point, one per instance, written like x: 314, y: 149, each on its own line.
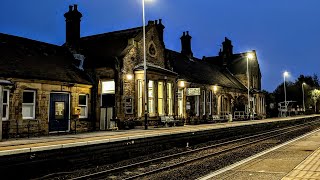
x: 193, y: 91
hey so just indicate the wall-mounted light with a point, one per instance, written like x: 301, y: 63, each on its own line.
x: 181, y: 83
x: 129, y: 77
x: 215, y: 88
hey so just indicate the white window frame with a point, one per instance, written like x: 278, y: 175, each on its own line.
x: 151, y: 100
x: 161, y: 99
x: 29, y: 104
x: 180, y: 102
x: 204, y: 102
x: 140, y: 98
x: 86, y: 106
x: 7, y: 105
x: 169, y: 98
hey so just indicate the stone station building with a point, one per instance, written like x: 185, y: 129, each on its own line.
x: 102, y: 78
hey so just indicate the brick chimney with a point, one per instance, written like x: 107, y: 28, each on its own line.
x: 160, y: 29
x: 227, y: 47
x: 73, y: 18
x: 186, y: 44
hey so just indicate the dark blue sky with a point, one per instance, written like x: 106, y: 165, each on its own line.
x: 285, y: 33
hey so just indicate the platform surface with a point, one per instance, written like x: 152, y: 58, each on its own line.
x: 297, y: 160
x: 24, y: 145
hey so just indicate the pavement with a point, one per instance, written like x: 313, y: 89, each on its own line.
x: 298, y: 159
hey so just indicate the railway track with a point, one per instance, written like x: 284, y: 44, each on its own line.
x: 169, y: 162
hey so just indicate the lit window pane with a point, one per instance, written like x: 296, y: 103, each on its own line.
x: 83, y: 111
x: 108, y: 87
x: 28, y: 97
x: 82, y: 100
x: 27, y: 110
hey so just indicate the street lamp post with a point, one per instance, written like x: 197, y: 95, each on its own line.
x: 304, y: 108
x: 285, y: 92
x: 145, y: 70
x: 249, y: 56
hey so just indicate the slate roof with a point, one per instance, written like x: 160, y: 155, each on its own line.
x: 105, y: 47
x: 199, y: 71
x: 29, y: 59
x: 237, y: 63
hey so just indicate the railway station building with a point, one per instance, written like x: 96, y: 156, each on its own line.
x: 89, y: 81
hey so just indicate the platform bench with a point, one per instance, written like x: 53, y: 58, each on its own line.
x: 168, y: 119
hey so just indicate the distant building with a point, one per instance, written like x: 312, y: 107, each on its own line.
x: 103, y: 76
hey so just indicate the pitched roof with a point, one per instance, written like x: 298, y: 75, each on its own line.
x: 105, y: 47
x: 29, y: 59
x: 199, y: 71
x: 237, y: 63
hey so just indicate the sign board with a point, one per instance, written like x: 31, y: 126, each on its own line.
x: 77, y: 111
x: 193, y: 91
x: 128, y: 106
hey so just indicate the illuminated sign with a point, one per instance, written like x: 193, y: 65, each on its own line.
x: 193, y: 91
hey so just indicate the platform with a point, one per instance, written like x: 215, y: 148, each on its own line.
x: 298, y: 159
x: 27, y: 145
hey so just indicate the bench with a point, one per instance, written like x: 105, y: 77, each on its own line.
x: 168, y: 119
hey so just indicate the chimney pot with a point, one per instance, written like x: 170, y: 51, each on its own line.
x: 70, y: 8
x: 188, y: 33
x: 156, y: 21
x: 184, y: 33
x: 160, y: 21
x: 75, y: 7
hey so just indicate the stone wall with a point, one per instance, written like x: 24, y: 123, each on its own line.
x: 17, y: 126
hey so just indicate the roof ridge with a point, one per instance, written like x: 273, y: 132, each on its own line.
x: 31, y: 40
x: 110, y: 33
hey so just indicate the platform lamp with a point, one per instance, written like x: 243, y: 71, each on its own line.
x: 249, y: 57
x: 304, y: 108
x: 145, y: 68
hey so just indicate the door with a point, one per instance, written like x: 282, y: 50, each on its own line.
x: 106, y: 110
x: 59, y: 112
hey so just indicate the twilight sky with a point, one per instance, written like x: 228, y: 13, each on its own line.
x: 285, y: 33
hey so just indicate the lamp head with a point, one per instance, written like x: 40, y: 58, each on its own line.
x: 286, y: 73
x: 250, y: 55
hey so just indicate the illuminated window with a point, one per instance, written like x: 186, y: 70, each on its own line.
x: 204, y: 102
x: 151, y: 97
x: 83, y: 104
x: 169, y: 98
x: 160, y: 98
x: 108, y: 87
x: 5, y: 109
x: 180, y: 102
x: 139, y: 98
x: 28, y: 104
x: 210, y: 102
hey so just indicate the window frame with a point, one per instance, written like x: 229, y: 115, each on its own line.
x: 170, y: 98
x: 7, y: 104
x: 203, y: 102
x: 86, y: 106
x: 161, y: 99
x: 151, y: 100
x: 29, y: 104
x: 140, y: 98
x: 210, y: 102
